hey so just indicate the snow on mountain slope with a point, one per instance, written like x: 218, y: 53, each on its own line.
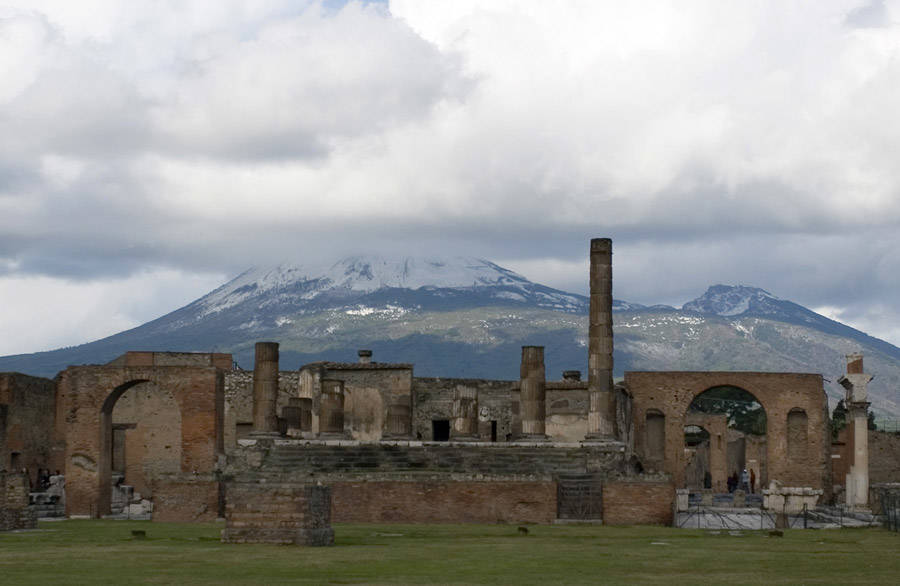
x: 354, y: 276
x: 727, y: 300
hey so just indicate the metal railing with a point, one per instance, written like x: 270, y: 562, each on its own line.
x: 890, y: 509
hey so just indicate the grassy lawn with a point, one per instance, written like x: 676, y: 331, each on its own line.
x: 100, y: 552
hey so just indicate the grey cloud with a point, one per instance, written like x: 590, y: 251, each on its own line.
x: 872, y: 14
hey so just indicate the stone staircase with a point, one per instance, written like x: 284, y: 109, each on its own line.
x: 363, y: 459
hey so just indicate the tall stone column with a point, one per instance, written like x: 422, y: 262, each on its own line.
x: 533, y: 392
x: 855, y: 382
x: 465, y: 414
x: 331, y: 408
x: 602, y: 413
x: 265, y: 389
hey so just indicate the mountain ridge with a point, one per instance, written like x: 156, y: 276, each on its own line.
x: 467, y: 317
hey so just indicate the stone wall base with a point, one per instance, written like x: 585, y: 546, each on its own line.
x: 444, y: 502
x: 285, y: 513
x: 284, y: 536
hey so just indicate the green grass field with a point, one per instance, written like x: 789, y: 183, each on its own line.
x: 104, y: 552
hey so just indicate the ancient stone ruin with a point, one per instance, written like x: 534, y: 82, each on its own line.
x: 282, y: 453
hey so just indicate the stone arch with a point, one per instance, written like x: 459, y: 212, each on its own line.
x: 86, y: 396
x: 105, y: 459
x: 697, y: 456
x: 672, y: 393
x: 147, y: 442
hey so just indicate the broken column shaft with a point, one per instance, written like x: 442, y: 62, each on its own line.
x: 465, y: 413
x: 855, y: 382
x: 265, y: 388
x: 602, y: 413
x: 533, y: 392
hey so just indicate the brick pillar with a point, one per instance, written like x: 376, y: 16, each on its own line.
x: 857, y: 480
x: 533, y: 392
x: 465, y: 414
x: 602, y: 413
x: 265, y: 389
x: 331, y: 408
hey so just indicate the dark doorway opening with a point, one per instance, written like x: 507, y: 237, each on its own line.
x: 440, y: 430
x: 493, y: 431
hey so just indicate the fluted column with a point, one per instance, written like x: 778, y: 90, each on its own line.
x: 602, y: 413
x: 533, y: 392
x: 265, y: 388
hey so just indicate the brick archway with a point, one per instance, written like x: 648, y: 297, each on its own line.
x: 672, y: 393
x: 86, y: 397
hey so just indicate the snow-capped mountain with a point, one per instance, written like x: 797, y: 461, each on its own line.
x: 353, y: 278
x: 468, y: 317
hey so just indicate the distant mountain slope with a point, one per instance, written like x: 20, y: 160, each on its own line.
x: 468, y: 317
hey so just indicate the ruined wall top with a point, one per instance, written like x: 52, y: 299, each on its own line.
x: 138, y: 358
x: 358, y: 365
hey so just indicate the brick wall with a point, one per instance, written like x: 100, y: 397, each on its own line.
x: 14, y: 510
x: 278, y: 513
x: 29, y: 406
x: 884, y: 457
x: 443, y: 502
x: 186, y: 500
x: 638, y: 503
x: 671, y: 393
x: 85, y: 399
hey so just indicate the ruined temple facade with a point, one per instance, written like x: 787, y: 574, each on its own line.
x: 200, y: 438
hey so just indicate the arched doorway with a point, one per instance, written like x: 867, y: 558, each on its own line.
x: 697, y: 474
x: 738, y: 443
x: 140, y: 443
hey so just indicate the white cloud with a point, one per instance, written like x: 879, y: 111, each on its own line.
x: 749, y: 142
x: 41, y: 313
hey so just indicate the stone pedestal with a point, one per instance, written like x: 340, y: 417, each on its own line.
x: 293, y: 514
x: 682, y: 499
x: 533, y: 393
x: 790, y: 500
x: 265, y: 389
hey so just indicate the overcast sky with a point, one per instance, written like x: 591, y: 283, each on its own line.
x: 151, y: 150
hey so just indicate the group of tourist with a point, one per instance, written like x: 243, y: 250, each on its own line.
x: 745, y: 481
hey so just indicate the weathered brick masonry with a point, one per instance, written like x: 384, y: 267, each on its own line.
x: 286, y: 513
x: 27, y: 410
x: 424, y: 482
x: 86, y: 398
x: 638, y: 503
x: 447, y: 501
x: 14, y: 510
x: 669, y: 394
